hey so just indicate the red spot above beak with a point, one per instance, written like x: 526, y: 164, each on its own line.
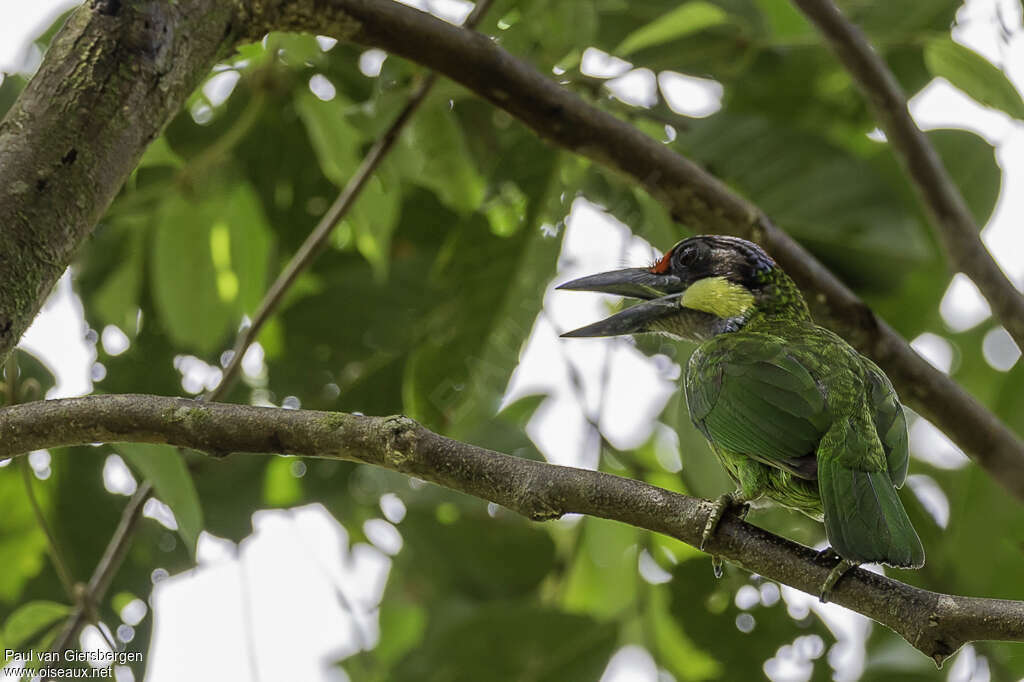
x: 661, y: 266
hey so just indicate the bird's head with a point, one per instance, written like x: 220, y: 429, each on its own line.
x: 701, y: 287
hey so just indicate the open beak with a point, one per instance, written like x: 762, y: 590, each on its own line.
x: 631, y: 282
x: 660, y: 295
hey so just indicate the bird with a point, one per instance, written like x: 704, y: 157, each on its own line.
x: 792, y: 411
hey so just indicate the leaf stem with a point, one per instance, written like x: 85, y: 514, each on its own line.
x: 61, y: 566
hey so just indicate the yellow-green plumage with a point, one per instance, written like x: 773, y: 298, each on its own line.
x: 797, y: 415
x: 792, y: 411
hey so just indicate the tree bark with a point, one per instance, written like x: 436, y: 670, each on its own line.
x: 112, y: 79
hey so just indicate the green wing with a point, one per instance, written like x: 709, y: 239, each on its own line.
x: 890, y: 422
x: 751, y: 395
x: 754, y: 395
x: 864, y: 518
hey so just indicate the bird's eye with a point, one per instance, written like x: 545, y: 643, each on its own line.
x: 690, y: 255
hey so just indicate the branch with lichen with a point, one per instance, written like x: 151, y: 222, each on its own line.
x: 936, y: 624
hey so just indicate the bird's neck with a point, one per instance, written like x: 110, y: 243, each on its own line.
x: 778, y: 301
x: 778, y: 297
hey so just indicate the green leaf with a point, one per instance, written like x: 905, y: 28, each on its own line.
x: 164, y: 468
x: 159, y: 153
x: 208, y: 263
x: 474, y: 555
x: 971, y: 162
x: 678, y: 652
x: 183, y: 275
x: 784, y: 20
x: 250, y: 245
x: 491, y: 289
x: 30, y: 369
x: 22, y: 543
x: 512, y: 641
x: 374, y: 216
x: 434, y: 155
x: 401, y: 628
x: 335, y: 141
x: 117, y: 299
x: 280, y: 486
x: 602, y: 581
x: 974, y: 75
x: 828, y: 198
x: 30, y: 620
x: 705, y: 609
x: 682, y: 21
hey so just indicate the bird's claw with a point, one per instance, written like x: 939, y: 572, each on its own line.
x: 837, y: 572
x: 721, y: 506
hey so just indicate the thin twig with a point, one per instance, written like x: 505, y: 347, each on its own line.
x: 61, y: 566
x: 936, y: 624
x: 106, y: 568
x: 942, y: 198
x: 13, y: 393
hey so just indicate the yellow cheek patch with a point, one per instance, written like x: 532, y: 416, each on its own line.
x: 718, y: 296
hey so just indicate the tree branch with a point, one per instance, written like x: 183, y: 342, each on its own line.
x: 110, y: 82
x: 692, y: 195
x: 936, y: 624
x: 940, y: 195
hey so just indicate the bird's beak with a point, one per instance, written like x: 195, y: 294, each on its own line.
x: 660, y: 294
x: 632, y: 282
x: 639, y: 318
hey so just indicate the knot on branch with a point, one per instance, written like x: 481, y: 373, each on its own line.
x: 936, y: 639
x: 536, y: 501
x: 399, y: 439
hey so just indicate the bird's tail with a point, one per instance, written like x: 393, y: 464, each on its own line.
x: 864, y: 518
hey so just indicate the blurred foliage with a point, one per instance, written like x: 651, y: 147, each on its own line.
x: 430, y: 287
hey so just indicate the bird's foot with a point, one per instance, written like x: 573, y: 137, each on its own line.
x: 837, y: 572
x: 722, y: 505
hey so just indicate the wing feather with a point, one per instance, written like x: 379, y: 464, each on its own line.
x: 756, y: 398
x: 890, y: 422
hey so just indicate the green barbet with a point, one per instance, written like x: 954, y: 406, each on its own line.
x: 792, y: 411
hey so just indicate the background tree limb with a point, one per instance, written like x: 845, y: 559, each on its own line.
x: 936, y: 624
x: 114, y: 75
x: 938, y: 192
